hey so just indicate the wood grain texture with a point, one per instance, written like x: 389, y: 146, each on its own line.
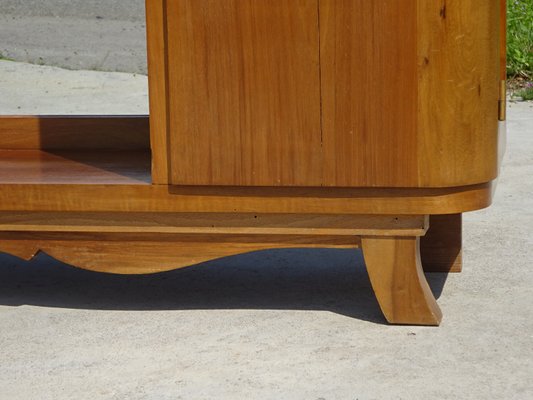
x: 326, y: 93
x: 441, y: 248
x: 502, y: 104
x: 216, y: 223
x: 396, y: 274
x: 369, y: 92
x: 458, y: 91
x: 75, y: 132
x: 156, y: 31
x: 159, y: 198
x: 503, y: 40
x: 151, y: 253
x: 20, y: 167
x: 244, y: 92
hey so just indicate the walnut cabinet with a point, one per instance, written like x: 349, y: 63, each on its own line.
x: 277, y: 124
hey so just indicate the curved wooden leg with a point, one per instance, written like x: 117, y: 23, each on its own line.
x: 396, y: 274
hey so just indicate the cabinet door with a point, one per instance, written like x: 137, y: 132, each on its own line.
x: 345, y: 93
x: 369, y: 92
x: 409, y: 92
x: 243, y: 92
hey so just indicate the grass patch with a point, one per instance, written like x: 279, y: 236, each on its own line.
x: 525, y: 93
x: 520, y: 38
x: 4, y: 58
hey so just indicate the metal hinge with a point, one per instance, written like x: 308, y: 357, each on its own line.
x: 502, y: 102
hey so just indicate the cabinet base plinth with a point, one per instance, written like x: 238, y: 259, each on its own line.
x: 112, y: 243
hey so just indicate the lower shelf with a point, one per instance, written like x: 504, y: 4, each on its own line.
x: 75, y: 167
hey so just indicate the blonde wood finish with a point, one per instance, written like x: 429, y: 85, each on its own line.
x: 392, y: 105
x: 441, y: 248
x: 151, y: 253
x: 160, y: 198
x: 216, y: 223
x: 328, y: 93
x: 24, y: 167
x: 90, y: 181
x: 158, y: 88
x: 458, y: 91
x: 395, y: 270
x: 244, y: 90
x: 75, y: 132
x: 369, y: 92
x: 410, y: 101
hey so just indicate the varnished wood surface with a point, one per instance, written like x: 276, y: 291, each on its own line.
x: 153, y: 198
x: 369, y: 92
x: 503, y: 40
x: 156, y: 33
x: 458, y: 91
x: 327, y: 93
x: 353, y: 95
x: 216, y: 223
x: 25, y: 167
x: 244, y: 92
x: 96, y: 181
x: 409, y: 101
x: 395, y: 270
x: 151, y: 253
x: 441, y: 248
x: 93, y: 132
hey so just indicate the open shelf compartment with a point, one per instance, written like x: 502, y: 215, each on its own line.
x: 85, y: 150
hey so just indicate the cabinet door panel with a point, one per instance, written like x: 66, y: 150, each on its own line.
x: 355, y: 93
x: 458, y: 91
x: 409, y: 92
x: 369, y: 92
x: 244, y: 92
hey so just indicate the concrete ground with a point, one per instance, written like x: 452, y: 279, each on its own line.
x: 33, y: 89
x: 287, y: 324
x: 104, y: 35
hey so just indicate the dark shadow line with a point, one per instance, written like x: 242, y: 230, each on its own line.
x: 289, y: 279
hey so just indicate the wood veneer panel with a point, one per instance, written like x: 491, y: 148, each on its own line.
x: 23, y: 167
x: 216, y: 223
x: 158, y: 88
x: 75, y: 132
x: 503, y: 40
x: 369, y: 91
x: 151, y: 198
x: 458, y: 91
x: 151, y: 253
x: 244, y: 92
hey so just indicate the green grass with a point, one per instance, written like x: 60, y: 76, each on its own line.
x: 2, y: 57
x: 526, y: 93
x: 520, y: 38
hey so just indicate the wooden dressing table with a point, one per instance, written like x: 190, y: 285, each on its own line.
x: 277, y: 124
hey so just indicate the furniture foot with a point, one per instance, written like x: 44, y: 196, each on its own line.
x: 441, y: 247
x: 396, y: 274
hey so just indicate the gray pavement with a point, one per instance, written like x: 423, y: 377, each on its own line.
x: 287, y: 324
x: 126, y: 10
x: 33, y: 89
x: 103, y: 35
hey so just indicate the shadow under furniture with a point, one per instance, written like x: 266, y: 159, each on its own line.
x: 276, y: 124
